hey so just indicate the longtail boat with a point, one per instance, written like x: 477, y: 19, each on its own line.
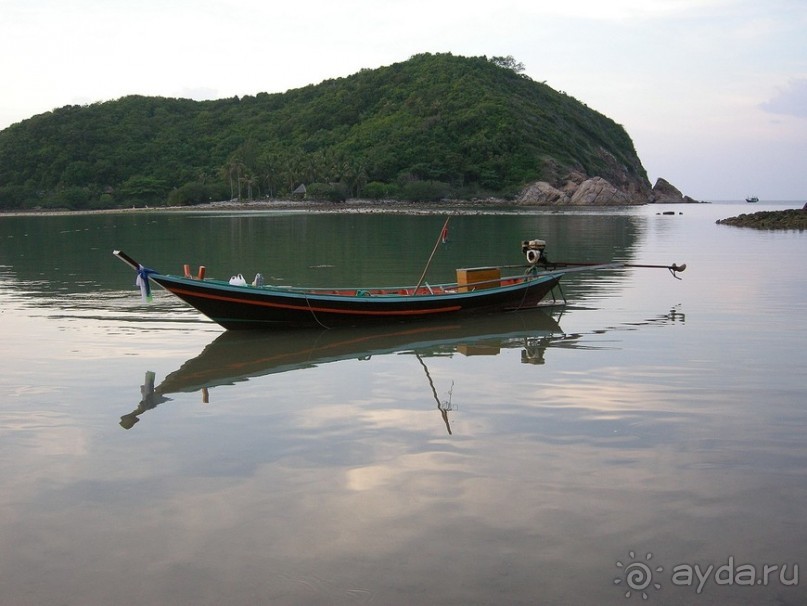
x: 235, y: 304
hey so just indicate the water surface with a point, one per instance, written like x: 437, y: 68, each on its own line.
x: 530, y: 459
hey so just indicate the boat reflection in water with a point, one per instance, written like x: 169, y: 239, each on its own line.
x: 237, y: 356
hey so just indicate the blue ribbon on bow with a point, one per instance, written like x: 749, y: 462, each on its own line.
x: 142, y: 281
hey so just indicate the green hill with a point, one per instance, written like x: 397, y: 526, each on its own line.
x: 426, y: 128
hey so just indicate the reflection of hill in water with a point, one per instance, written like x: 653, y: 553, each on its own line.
x: 237, y: 356
x: 58, y: 256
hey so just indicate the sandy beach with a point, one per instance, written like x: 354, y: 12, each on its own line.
x: 350, y: 206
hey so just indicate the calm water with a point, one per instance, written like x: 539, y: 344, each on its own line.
x: 651, y: 427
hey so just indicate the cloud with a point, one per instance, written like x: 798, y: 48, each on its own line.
x: 791, y: 100
x: 621, y: 10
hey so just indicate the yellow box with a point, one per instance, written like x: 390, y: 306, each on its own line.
x: 479, y: 350
x: 475, y: 278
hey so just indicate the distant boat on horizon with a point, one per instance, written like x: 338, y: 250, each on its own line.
x: 752, y: 200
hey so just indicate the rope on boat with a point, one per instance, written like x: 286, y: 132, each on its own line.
x: 523, y: 297
x: 314, y: 315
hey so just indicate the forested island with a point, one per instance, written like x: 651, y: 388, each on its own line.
x: 433, y: 127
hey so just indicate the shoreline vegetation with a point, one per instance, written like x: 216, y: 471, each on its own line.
x: 285, y: 205
x: 357, y: 205
x: 788, y: 219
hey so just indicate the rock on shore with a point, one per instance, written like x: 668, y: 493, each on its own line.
x: 666, y: 193
x: 577, y: 189
x: 770, y: 219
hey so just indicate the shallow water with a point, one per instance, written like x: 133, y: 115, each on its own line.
x: 530, y: 459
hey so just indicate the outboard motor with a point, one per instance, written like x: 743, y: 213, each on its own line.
x: 534, y: 251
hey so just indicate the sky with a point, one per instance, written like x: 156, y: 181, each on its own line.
x: 713, y: 93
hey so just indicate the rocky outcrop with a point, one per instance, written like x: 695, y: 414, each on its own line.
x: 616, y: 182
x: 542, y: 193
x: 577, y: 189
x: 771, y: 219
x: 599, y: 192
x: 666, y: 193
x: 630, y: 180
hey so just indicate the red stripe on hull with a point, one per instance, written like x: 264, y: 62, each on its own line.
x: 309, y: 308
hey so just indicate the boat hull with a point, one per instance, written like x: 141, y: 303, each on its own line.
x: 245, y: 307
